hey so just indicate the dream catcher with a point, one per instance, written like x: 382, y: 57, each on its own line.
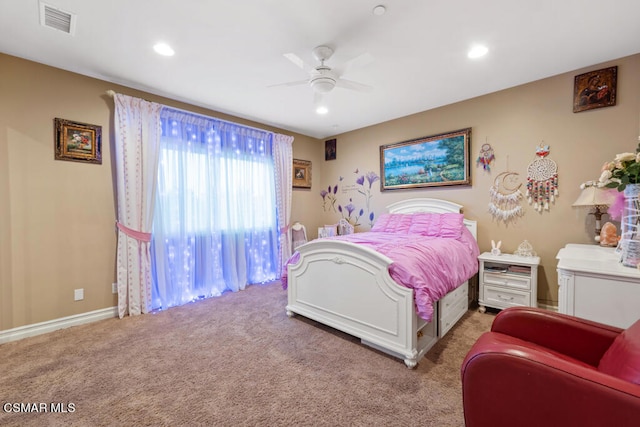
x: 505, y: 197
x: 485, y: 157
x: 542, y: 181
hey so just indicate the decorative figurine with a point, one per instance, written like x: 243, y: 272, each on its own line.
x: 495, y: 248
x: 609, y: 235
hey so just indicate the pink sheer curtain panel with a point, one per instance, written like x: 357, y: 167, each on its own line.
x: 283, y: 161
x: 137, y: 141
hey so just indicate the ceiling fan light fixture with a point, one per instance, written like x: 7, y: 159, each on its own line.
x: 323, y: 84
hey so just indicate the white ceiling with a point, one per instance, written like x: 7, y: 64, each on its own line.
x: 229, y: 52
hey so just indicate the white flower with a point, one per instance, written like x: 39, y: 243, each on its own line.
x: 625, y: 157
x: 605, y: 177
x: 608, y: 166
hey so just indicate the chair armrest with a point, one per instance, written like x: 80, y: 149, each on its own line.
x: 509, y: 382
x: 577, y: 338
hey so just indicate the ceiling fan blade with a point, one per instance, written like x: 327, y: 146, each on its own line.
x: 351, y: 85
x: 359, y: 61
x: 299, y: 62
x: 296, y: 83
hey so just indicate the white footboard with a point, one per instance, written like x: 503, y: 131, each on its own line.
x: 348, y: 287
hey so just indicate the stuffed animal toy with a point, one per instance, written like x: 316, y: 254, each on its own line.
x: 495, y: 248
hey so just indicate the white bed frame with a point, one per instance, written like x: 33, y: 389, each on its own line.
x: 348, y: 287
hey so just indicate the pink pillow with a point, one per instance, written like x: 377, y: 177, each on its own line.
x: 447, y: 225
x: 381, y: 223
x: 622, y: 360
x: 393, y: 223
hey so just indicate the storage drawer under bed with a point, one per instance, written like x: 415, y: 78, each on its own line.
x: 452, y: 307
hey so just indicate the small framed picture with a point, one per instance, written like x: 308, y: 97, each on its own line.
x: 78, y: 142
x: 301, y: 173
x: 330, y: 149
x: 595, y: 89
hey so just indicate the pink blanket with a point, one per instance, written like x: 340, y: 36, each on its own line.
x: 431, y: 266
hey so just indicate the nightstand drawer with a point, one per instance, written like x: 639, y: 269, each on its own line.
x: 501, y: 297
x: 508, y: 280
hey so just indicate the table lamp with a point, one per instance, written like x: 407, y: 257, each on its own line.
x: 598, y: 197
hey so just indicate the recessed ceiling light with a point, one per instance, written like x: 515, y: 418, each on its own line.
x: 379, y: 10
x: 477, y: 51
x: 163, y: 49
x: 322, y: 110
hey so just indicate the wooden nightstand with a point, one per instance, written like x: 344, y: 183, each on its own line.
x: 507, y: 281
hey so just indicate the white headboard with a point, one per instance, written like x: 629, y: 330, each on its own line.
x: 432, y: 205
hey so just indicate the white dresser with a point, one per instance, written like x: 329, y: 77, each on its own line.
x: 594, y: 285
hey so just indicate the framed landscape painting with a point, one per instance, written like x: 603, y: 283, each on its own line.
x: 431, y: 161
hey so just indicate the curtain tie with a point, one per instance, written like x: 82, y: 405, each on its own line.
x: 138, y: 235
x: 284, y: 229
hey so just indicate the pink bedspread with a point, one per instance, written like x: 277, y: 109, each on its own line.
x: 431, y: 266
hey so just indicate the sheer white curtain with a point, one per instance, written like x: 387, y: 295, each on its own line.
x: 215, y: 226
x: 137, y: 137
x: 283, y: 160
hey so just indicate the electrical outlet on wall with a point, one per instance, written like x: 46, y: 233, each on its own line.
x: 114, y: 288
x: 78, y: 294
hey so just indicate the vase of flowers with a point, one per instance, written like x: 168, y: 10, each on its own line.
x: 623, y: 174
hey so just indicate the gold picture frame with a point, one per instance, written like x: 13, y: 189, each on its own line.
x: 301, y: 173
x: 77, y: 142
x: 595, y: 89
x: 430, y: 161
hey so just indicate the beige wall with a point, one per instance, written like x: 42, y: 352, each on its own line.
x: 57, y: 217
x: 514, y: 122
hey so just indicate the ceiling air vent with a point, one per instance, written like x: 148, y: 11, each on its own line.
x: 57, y: 19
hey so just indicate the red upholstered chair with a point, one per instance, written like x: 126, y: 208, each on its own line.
x: 540, y: 368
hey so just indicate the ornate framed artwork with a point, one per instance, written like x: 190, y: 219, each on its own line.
x: 78, y: 142
x: 595, y: 89
x: 430, y: 161
x: 330, y: 149
x: 301, y: 173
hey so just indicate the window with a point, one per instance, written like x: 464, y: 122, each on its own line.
x: 214, y: 226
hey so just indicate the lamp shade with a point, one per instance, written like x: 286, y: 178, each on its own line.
x: 593, y: 195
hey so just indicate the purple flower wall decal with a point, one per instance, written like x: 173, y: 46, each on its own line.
x: 372, y: 177
x: 329, y: 194
x: 323, y: 194
x: 350, y: 211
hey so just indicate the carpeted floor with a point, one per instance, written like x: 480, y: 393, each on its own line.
x: 236, y: 360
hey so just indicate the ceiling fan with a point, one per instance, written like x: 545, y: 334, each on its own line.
x: 322, y: 78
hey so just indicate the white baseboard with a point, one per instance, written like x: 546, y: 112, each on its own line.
x: 548, y: 307
x: 53, y: 325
